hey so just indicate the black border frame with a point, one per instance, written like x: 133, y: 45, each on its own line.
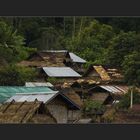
x: 79, y: 132
x: 69, y: 8
x: 96, y: 8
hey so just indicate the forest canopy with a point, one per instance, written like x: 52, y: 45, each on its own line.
x: 106, y: 41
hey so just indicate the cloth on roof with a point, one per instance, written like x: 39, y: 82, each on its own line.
x: 60, y: 72
x: 115, y: 74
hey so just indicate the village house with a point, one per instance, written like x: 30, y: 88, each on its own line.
x: 107, y: 94
x: 80, y: 86
x: 77, y: 63
x: 115, y: 74
x: 97, y: 73
x: 46, y: 59
x: 8, y: 91
x: 54, y: 58
x: 25, y: 112
x: 104, y: 74
x: 61, y: 108
x: 60, y: 74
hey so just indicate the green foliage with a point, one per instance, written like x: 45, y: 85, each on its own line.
x: 91, y: 42
x: 51, y: 80
x: 93, y: 106
x: 125, y: 101
x: 55, y: 80
x: 11, y: 44
x: 120, y: 46
x: 14, y: 75
x: 109, y: 116
x: 111, y: 41
x: 131, y: 68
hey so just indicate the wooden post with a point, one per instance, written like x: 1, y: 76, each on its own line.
x: 131, y: 99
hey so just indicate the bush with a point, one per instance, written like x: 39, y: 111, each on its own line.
x: 125, y: 101
x: 15, y: 75
x: 54, y: 80
x: 94, y: 107
x: 109, y: 116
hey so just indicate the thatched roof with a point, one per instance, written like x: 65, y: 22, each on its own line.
x: 14, y: 112
x: 51, y: 58
x: 72, y: 95
x: 43, y: 119
x: 46, y: 58
x: 39, y: 63
x: 81, y: 81
x: 99, y: 97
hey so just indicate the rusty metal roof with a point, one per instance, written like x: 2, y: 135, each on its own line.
x: 113, y: 88
x: 102, y: 72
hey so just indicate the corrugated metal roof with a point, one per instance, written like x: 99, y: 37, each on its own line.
x: 38, y: 84
x: 76, y: 58
x: 22, y: 89
x: 31, y: 98
x: 112, y: 89
x: 60, y: 72
x: 42, y: 98
x: 8, y: 91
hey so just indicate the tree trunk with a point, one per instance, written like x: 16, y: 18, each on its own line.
x: 73, y: 35
x: 81, y: 25
x: 64, y: 25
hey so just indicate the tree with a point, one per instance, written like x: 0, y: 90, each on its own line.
x: 13, y: 75
x: 49, y: 39
x: 120, y: 46
x: 92, y: 41
x: 94, y: 107
x: 11, y: 44
x: 131, y: 68
x: 125, y: 101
